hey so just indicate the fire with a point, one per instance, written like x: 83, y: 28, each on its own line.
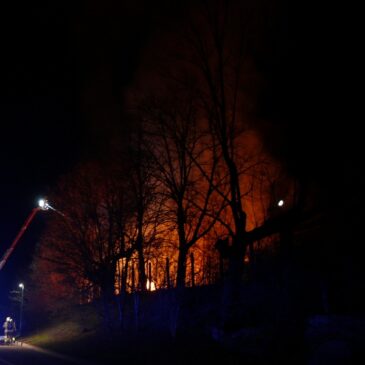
x: 150, y: 285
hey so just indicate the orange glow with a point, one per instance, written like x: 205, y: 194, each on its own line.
x: 150, y: 285
x: 258, y: 173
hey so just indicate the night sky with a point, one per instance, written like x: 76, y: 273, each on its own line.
x: 40, y: 124
x: 65, y: 67
x: 58, y: 59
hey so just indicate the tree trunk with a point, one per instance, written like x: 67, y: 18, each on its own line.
x: 183, y: 251
x: 108, y: 273
x: 167, y: 273
x: 142, y: 282
x: 238, y: 249
x: 192, y: 270
x: 181, y: 268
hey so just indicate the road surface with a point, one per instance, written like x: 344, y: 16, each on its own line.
x: 29, y: 355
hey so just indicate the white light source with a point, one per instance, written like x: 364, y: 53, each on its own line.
x: 280, y: 203
x: 21, y: 285
x: 42, y: 204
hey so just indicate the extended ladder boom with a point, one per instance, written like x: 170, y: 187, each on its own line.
x: 19, y: 235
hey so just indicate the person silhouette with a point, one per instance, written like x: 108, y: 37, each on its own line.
x: 9, y: 330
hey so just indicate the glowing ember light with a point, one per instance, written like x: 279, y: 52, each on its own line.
x: 280, y: 203
x: 150, y: 285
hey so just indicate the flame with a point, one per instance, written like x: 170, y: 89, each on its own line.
x: 150, y: 285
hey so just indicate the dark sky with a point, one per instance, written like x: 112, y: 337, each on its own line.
x: 39, y: 123
x: 62, y: 65
x: 64, y: 68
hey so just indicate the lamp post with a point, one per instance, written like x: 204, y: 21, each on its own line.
x: 21, y: 286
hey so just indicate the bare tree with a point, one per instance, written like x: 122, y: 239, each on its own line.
x: 178, y: 145
x: 88, y: 239
x: 211, y: 48
x: 215, y: 41
x: 145, y: 203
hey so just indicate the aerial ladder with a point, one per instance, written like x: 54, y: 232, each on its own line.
x: 42, y: 205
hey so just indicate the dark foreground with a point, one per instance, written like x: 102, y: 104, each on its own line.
x: 262, y: 329
x: 166, y: 353
x: 156, y: 349
x: 244, y: 347
x: 26, y: 355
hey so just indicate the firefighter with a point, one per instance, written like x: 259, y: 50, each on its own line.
x: 9, y: 330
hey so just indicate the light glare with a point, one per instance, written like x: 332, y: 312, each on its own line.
x: 150, y: 285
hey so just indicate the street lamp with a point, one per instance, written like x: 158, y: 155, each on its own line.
x: 21, y: 286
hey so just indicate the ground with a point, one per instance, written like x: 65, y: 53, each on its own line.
x: 81, y: 332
